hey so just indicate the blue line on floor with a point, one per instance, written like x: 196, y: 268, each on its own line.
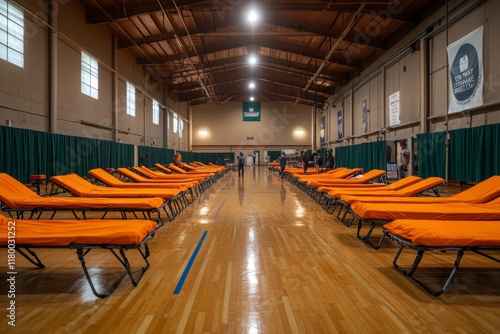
x: 220, y: 207
x: 190, y: 263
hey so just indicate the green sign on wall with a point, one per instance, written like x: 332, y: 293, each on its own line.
x: 251, y: 111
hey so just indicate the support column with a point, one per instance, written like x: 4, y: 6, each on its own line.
x: 52, y: 66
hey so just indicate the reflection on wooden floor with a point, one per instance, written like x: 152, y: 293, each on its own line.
x: 272, y: 261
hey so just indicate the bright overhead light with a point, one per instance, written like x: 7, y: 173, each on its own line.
x: 252, y: 60
x: 203, y: 133
x: 251, y: 98
x: 253, y: 16
x: 251, y: 85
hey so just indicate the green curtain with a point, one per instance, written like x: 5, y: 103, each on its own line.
x: 474, y: 153
x: 28, y: 152
x: 23, y: 152
x: 368, y: 156
x: 431, y: 154
x: 274, y: 155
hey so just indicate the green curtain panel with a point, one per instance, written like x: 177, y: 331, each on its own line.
x: 474, y: 153
x: 431, y: 154
x: 366, y: 155
x: 28, y: 152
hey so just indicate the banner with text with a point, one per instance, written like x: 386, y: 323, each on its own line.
x: 394, y: 116
x: 251, y: 111
x: 465, y: 57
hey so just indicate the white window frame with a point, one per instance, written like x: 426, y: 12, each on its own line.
x: 175, y: 122
x: 130, y: 99
x: 90, y: 76
x: 181, y: 127
x: 11, y: 34
x: 156, y: 112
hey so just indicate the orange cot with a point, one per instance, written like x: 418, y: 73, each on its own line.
x: 397, y: 185
x: 188, y: 177
x: 374, y: 213
x: 16, y: 197
x: 429, y: 235
x: 415, y: 189
x: 117, y: 236
x: 312, y: 187
x: 201, y: 184
x: 482, y: 192
x: 106, y: 178
x: 80, y: 187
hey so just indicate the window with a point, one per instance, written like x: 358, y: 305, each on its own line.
x: 156, y: 112
x: 181, y: 127
x: 90, y: 76
x: 11, y: 34
x: 175, y: 123
x: 130, y: 99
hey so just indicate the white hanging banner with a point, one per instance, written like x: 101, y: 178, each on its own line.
x: 465, y: 57
x: 394, y: 116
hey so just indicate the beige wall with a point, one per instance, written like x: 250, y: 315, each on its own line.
x: 24, y: 92
x: 226, y: 130
x: 387, y: 76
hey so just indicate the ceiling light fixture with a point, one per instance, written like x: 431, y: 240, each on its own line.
x: 251, y: 98
x: 252, y: 60
x: 251, y: 85
x: 253, y: 17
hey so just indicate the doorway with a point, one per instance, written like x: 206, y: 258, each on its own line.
x: 256, y: 159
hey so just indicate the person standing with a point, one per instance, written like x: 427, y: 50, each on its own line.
x: 282, y: 164
x: 305, y: 161
x: 330, y: 160
x: 319, y: 162
x: 404, y: 159
x: 241, y: 165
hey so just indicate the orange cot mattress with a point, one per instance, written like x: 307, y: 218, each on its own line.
x: 431, y: 233
x: 173, y: 178
x: 82, y: 188
x: 400, y: 184
x: 456, y: 211
x: 408, y: 191
x: 46, y: 233
x: 112, y: 181
x: 163, y: 176
x: 85, y: 203
x: 482, y: 192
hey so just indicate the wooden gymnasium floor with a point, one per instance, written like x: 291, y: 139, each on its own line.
x: 272, y: 261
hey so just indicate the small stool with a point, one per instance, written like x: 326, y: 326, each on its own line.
x: 36, y: 180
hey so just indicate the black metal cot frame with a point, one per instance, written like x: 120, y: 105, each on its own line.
x: 36, y: 212
x: 174, y: 204
x: 404, y: 243
x: 82, y: 250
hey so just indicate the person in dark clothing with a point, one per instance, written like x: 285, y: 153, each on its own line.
x: 330, y: 160
x: 282, y: 164
x: 305, y: 161
x: 241, y: 164
x: 143, y: 160
x: 319, y: 162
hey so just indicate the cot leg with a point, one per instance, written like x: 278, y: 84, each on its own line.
x: 33, y: 258
x: 81, y: 255
x: 416, y: 262
x: 122, y: 258
x: 366, y: 238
